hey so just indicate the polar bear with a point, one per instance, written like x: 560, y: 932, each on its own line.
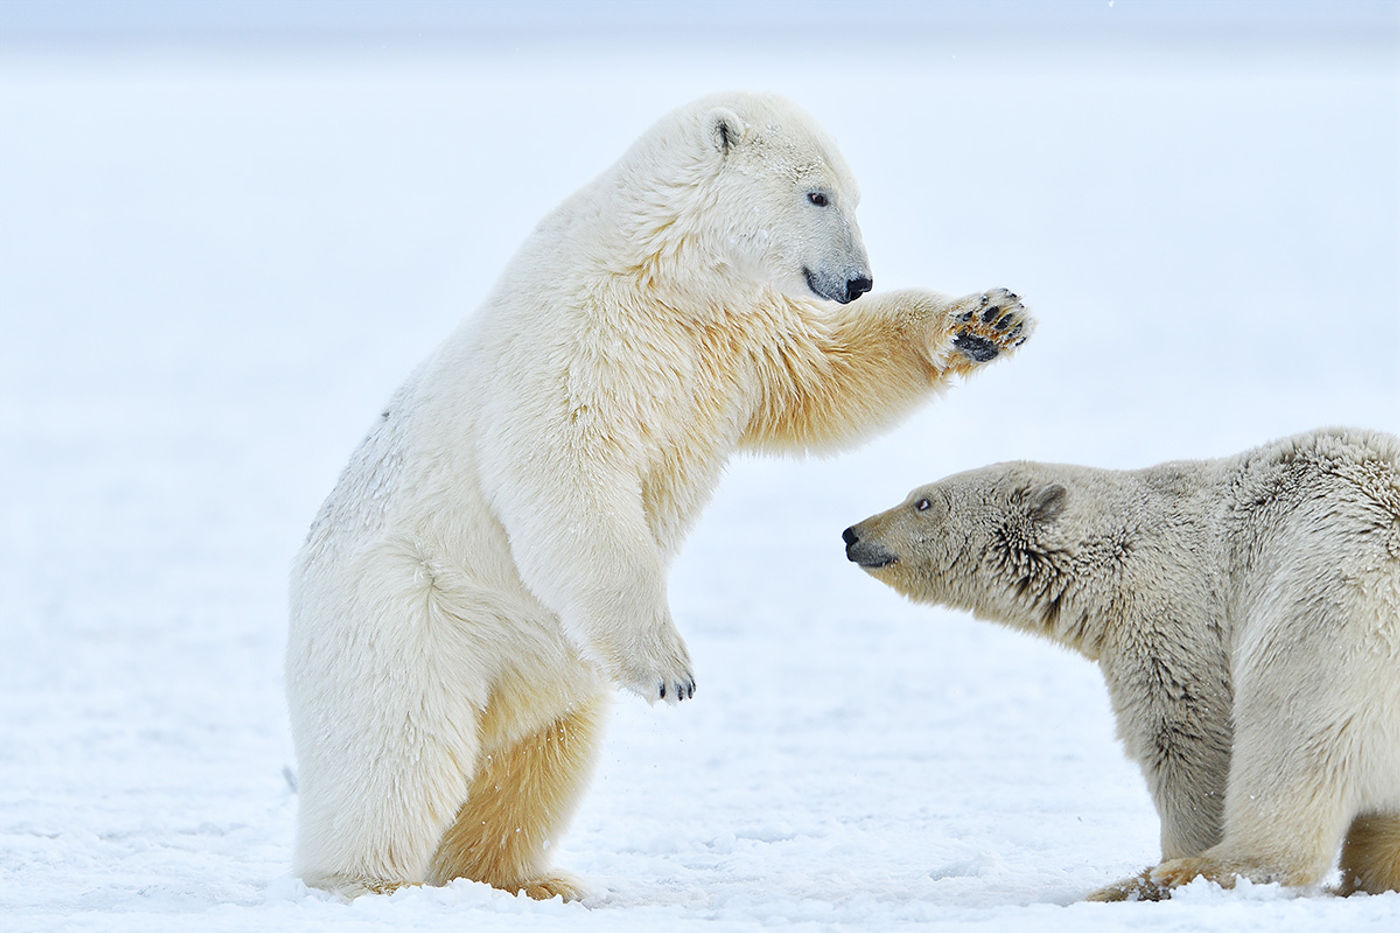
x: 1245, y: 613
x: 493, y: 558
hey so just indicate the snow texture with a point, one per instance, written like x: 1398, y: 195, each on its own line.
x: 218, y: 258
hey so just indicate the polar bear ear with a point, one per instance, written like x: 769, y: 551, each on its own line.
x: 724, y: 129
x: 1046, y: 502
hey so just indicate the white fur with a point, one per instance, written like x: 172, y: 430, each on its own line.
x: 1245, y: 613
x: 494, y: 556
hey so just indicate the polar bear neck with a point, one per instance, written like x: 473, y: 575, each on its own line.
x: 663, y: 237
x: 1086, y: 584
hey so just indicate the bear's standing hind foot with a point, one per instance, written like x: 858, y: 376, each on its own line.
x: 560, y: 885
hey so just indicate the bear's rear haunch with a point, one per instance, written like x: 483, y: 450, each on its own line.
x: 1245, y: 613
x: 493, y: 559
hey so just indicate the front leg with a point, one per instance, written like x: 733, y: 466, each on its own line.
x: 617, y: 614
x: 1173, y: 713
x: 581, y: 542
x: 649, y: 659
x: 1139, y: 887
x: 831, y: 380
x: 1156, y: 883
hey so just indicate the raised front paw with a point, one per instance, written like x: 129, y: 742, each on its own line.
x: 987, y: 325
x: 657, y: 667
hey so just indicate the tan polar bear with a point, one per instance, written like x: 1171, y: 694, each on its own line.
x: 493, y: 558
x: 1245, y: 613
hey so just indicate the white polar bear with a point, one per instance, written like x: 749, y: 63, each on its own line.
x: 1246, y: 615
x: 494, y: 556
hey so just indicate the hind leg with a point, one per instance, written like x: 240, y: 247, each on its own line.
x: 381, y: 763
x: 1371, y: 855
x: 519, y: 801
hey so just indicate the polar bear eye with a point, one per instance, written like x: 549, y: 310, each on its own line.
x: 817, y: 198
x: 922, y: 505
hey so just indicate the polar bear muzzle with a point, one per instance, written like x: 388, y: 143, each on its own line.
x: 836, y: 287
x: 869, y: 554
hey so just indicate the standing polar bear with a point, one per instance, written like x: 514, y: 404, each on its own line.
x: 1246, y: 615
x: 494, y: 556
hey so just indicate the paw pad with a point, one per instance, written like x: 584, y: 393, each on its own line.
x: 977, y: 348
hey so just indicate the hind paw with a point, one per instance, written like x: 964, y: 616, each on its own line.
x: 559, y: 885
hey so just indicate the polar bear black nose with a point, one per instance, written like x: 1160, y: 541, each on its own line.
x: 850, y: 536
x: 858, y: 286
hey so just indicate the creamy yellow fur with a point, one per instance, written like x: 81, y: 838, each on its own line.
x: 520, y: 798
x: 1371, y: 856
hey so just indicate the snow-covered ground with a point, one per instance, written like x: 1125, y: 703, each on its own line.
x: 217, y: 260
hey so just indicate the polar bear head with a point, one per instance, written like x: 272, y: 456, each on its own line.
x: 994, y: 540
x: 787, y: 195
x: 753, y: 184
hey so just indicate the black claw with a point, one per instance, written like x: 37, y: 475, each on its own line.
x: 990, y: 313
x: 1013, y: 296
x: 1020, y: 326
x: 985, y: 299
x: 663, y: 691
x: 1019, y: 342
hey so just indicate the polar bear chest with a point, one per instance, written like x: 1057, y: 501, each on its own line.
x: 679, y: 407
